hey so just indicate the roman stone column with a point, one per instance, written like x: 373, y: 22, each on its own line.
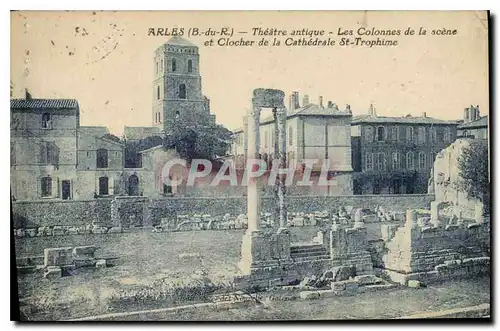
x: 281, y: 155
x: 253, y: 194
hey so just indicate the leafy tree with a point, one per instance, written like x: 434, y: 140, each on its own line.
x: 200, y: 141
x: 473, y: 169
x: 111, y: 137
x: 132, y: 149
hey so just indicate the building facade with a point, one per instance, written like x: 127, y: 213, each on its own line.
x: 177, y: 91
x: 394, y: 155
x: 314, y: 132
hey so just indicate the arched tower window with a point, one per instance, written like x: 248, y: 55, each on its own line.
x: 158, y: 93
x: 190, y: 66
x: 174, y: 65
x: 290, y: 136
x: 182, y: 91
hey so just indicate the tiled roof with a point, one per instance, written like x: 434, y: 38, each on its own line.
x: 482, y: 122
x: 43, y: 103
x: 402, y: 120
x: 179, y: 41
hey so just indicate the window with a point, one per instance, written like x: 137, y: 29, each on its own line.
x: 161, y: 67
x: 102, y: 158
x: 157, y: 67
x: 394, y: 133
x: 369, y: 161
x: 396, y: 160
x: 190, y: 66
x: 182, y: 91
x: 49, y: 153
x: 421, y: 160
x: 421, y: 135
x: 290, y: 136
x: 167, y: 189
x: 410, y: 134
x: 177, y: 114
x: 410, y: 160
x: 447, y: 135
x: 369, y: 134
x: 465, y: 133
x: 133, y: 185
x: 46, y: 187
x: 174, y: 65
x: 434, y: 134
x: 103, y: 186
x: 380, y: 162
x: 380, y: 133
x: 46, y: 121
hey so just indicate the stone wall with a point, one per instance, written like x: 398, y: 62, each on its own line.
x: 415, y: 248
x: 50, y: 213
x: 32, y: 214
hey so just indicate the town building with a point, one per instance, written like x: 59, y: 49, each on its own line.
x: 314, y: 131
x: 394, y: 155
x: 473, y: 125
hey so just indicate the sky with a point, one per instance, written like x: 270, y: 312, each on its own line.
x: 104, y: 60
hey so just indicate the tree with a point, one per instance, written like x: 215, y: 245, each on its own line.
x: 474, y: 173
x: 200, y: 141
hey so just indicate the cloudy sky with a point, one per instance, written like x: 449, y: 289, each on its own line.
x: 105, y: 60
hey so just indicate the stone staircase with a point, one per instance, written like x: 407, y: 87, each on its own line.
x: 308, y: 252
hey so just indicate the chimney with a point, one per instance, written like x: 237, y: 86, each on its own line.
x: 335, y: 107
x: 296, y: 99
x: 424, y: 114
x: 348, y: 109
x: 372, y: 111
x: 330, y: 104
x: 291, y: 102
x: 321, y: 101
x: 466, y: 115
x: 478, y: 115
x: 27, y: 94
x: 305, y: 100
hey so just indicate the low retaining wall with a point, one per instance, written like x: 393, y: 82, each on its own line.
x: 29, y: 214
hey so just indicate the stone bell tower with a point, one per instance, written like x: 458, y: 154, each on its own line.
x: 177, y: 95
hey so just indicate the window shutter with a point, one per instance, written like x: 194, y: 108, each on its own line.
x: 55, y: 187
x: 111, y: 186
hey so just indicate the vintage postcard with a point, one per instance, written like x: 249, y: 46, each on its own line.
x: 250, y: 165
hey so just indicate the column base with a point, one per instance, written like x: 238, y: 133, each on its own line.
x: 261, y: 249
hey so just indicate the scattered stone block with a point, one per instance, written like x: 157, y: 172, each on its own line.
x: 367, y: 280
x: 100, y: 264
x: 337, y: 286
x: 41, y: 231
x: 99, y: 230
x: 118, y: 229
x: 58, y: 256
x: 309, y: 295
x: 84, y: 251
x: 30, y: 233
x: 52, y: 272
x: 414, y: 283
x: 58, y: 231
x: 308, y: 281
